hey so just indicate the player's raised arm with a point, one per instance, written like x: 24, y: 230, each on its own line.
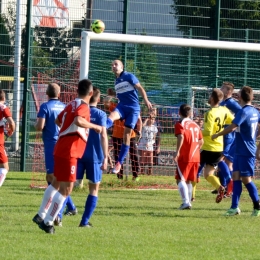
x: 142, y: 92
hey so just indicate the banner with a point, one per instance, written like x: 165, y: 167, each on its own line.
x: 50, y: 13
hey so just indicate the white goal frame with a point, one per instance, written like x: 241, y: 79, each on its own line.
x: 86, y: 37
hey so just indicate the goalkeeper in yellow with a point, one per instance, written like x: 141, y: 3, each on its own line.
x: 214, y: 120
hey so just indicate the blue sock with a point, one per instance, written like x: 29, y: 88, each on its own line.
x: 237, y: 190
x: 200, y: 170
x: 123, y: 152
x: 222, y: 179
x: 62, y: 209
x: 90, y: 206
x: 70, y: 204
x: 253, y: 193
x: 224, y: 172
x: 109, y: 123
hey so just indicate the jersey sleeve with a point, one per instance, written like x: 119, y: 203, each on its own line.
x: 42, y: 111
x: 132, y: 79
x: 240, y: 118
x: 7, y: 112
x: 208, y: 124
x: 83, y: 111
x: 103, y: 120
x: 178, y: 130
x: 200, y: 135
x: 233, y: 106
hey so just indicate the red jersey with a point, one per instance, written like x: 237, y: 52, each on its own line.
x: 4, y: 113
x: 72, y: 139
x: 189, y: 151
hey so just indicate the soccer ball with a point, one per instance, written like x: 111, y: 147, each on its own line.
x: 97, y: 26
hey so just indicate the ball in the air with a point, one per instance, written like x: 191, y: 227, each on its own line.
x: 97, y: 26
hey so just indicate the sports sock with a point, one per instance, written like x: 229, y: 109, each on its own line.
x: 3, y: 173
x: 54, y: 209
x: 252, y: 190
x: 123, y: 152
x: 237, y: 190
x: 60, y: 214
x: 109, y: 123
x: 46, y: 201
x: 224, y: 173
x: 183, y: 190
x: 70, y: 203
x: 189, y: 185
x: 214, y: 181
x: 194, y: 186
x: 90, y: 206
x: 200, y: 169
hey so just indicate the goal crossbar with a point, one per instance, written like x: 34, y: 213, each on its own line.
x: 86, y: 37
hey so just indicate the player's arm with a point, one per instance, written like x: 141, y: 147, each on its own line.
x: 104, y: 144
x: 226, y: 131
x: 39, y: 125
x: 180, y: 139
x: 11, y: 126
x: 82, y: 122
x: 142, y: 92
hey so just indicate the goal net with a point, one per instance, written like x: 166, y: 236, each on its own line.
x: 172, y: 70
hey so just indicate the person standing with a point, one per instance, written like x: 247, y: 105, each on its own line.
x: 94, y: 159
x: 46, y: 117
x: 127, y: 87
x: 187, y: 155
x: 5, y: 116
x: 74, y: 123
x: 245, y: 123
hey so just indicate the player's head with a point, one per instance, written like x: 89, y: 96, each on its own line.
x: 85, y: 88
x: 227, y: 88
x: 246, y: 94
x: 215, y: 97
x: 185, y: 111
x: 117, y: 67
x: 53, y: 90
x: 2, y: 95
x: 95, y: 97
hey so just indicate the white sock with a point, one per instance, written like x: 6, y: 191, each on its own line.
x: 46, y: 201
x: 183, y: 190
x: 3, y: 173
x: 190, y: 191
x: 54, y: 209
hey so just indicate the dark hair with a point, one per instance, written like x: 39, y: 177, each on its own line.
x: 53, y: 90
x: 246, y: 94
x: 185, y: 110
x: 84, y: 87
x: 217, y: 95
x: 2, y: 95
x: 95, y: 96
x: 230, y: 85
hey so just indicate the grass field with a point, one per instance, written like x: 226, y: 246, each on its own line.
x: 129, y: 223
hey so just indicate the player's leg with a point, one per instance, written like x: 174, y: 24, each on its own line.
x: 4, y: 166
x: 115, y: 115
x: 191, y: 178
x: 117, y: 143
x: 134, y: 158
x: 94, y: 175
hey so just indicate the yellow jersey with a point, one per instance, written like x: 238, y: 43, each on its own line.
x: 214, y: 121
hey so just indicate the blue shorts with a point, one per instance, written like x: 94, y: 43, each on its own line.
x: 230, y: 154
x: 93, y: 171
x: 245, y: 165
x: 49, y: 158
x: 130, y: 115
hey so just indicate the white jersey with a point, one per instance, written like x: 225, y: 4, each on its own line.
x: 148, y: 138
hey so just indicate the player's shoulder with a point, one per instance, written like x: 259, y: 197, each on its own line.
x: 98, y: 111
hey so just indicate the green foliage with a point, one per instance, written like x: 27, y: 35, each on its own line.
x: 128, y: 224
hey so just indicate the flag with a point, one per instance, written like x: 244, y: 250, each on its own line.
x: 50, y: 13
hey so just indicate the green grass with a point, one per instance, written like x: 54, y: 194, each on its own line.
x: 128, y: 224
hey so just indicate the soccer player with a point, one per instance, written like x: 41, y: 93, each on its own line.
x: 74, y: 123
x: 225, y: 172
x: 214, y: 120
x: 94, y: 159
x: 5, y: 116
x: 127, y: 87
x: 246, y: 124
x: 46, y: 116
x: 187, y: 155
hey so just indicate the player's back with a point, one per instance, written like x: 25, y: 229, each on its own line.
x: 93, y: 151
x: 190, y: 151
x: 214, y: 120
x: 247, y: 120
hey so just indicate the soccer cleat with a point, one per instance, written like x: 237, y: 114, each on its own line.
x: 88, y: 225
x: 185, y: 206
x: 57, y: 222
x: 233, y: 212
x: 255, y: 213
x: 37, y: 219
x: 117, y: 168
x: 221, y: 192
x: 70, y: 212
x: 47, y: 228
